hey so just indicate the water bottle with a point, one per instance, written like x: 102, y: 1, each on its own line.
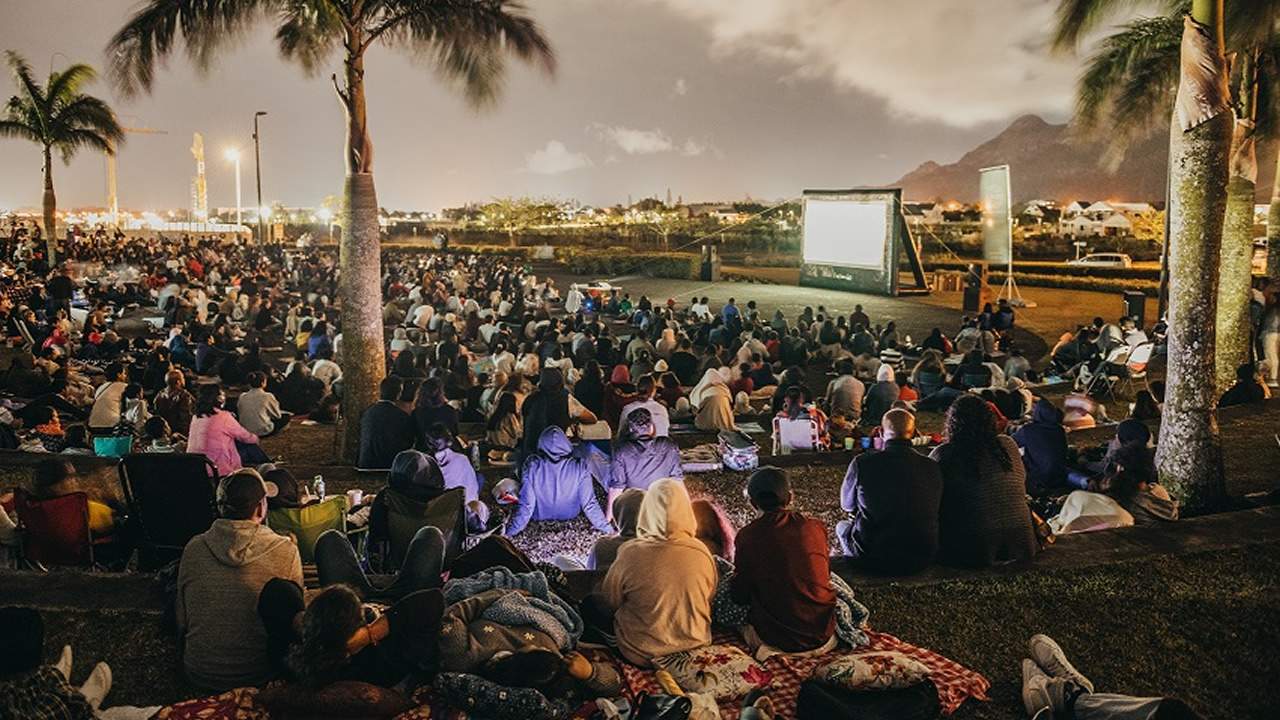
x: 475, y: 454
x: 317, y: 487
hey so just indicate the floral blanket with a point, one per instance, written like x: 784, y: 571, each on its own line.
x: 955, y: 683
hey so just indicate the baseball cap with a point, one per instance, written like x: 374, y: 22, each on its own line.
x: 768, y: 488
x: 287, y: 492
x: 242, y: 490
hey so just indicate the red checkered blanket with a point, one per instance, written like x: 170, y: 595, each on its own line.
x: 955, y: 683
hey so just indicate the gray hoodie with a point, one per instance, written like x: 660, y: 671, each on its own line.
x: 222, y: 573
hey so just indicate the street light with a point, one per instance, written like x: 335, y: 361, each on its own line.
x: 257, y: 171
x: 234, y: 156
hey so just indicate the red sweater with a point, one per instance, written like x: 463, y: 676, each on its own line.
x: 784, y: 575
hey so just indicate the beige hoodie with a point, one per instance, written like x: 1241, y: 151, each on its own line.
x: 222, y: 573
x: 661, y: 583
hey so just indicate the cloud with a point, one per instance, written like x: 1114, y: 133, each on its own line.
x: 632, y: 141
x: 959, y: 63
x: 554, y: 159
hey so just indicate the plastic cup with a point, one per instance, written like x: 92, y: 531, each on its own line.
x: 866, y: 443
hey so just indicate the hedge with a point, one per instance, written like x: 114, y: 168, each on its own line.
x: 1060, y: 269
x: 1150, y: 288
x: 619, y: 261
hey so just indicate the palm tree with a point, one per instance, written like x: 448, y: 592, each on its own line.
x: 1128, y: 87
x: 57, y: 117
x: 466, y: 41
x: 1140, y: 59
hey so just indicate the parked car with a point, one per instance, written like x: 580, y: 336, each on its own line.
x: 1110, y: 260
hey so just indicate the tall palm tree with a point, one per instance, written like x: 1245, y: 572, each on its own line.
x: 1128, y: 88
x: 57, y: 117
x: 1190, y: 452
x: 467, y: 43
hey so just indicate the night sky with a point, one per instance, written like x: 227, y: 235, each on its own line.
x: 714, y: 99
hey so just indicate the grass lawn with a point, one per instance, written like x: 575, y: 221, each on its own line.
x: 1203, y: 626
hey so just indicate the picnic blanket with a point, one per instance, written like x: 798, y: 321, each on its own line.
x: 955, y: 683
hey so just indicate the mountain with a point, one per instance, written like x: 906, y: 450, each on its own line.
x: 1051, y: 162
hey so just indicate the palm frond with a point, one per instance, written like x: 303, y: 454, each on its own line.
x: 24, y: 79
x: 153, y: 32
x: 20, y: 130
x: 468, y: 42
x: 1250, y: 23
x: 1268, y: 98
x: 309, y: 32
x: 81, y: 138
x: 67, y: 84
x: 1145, y: 50
x: 1076, y: 19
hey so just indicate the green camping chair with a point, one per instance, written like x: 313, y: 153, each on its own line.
x: 405, y: 517
x: 309, y: 523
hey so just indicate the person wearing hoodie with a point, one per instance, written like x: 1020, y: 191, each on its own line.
x: 618, y: 393
x: 414, y: 476
x: 1044, y: 449
x: 221, y: 575
x: 626, y: 512
x: 556, y: 485
x: 656, y: 596
x: 880, y: 397
x: 640, y: 457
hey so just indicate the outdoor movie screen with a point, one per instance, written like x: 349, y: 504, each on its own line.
x: 846, y: 231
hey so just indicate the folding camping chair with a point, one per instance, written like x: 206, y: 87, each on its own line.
x: 55, y: 532
x: 405, y: 517
x: 172, y: 498
x: 1137, y: 364
x: 310, y: 522
x: 1104, y: 381
x: 799, y: 434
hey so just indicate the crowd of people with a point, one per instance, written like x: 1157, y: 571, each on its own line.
x: 576, y: 398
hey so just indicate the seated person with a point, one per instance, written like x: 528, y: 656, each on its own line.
x: 415, y: 476
x: 640, y: 458
x: 158, y: 438
x: 797, y: 407
x: 1248, y: 388
x: 31, y: 689
x: 880, y: 397
x: 556, y: 485
x: 55, y: 477
x: 893, y: 498
x: 983, y: 518
x: 458, y: 472
x: 714, y: 529
x: 220, y: 578
x: 1044, y: 449
x: 385, y: 428
x: 626, y: 512
x: 646, y: 392
x: 1097, y: 460
x: 258, y: 410
x: 845, y: 392
x: 1132, y: 481
x: 783, y: 573
x: 665, y: 567
x: 712, y: 402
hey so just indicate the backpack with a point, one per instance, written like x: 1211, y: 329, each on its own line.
x: 738, y: 451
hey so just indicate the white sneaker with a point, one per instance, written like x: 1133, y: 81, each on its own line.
x: 1049, y: 656
x: 64, y: 663
x: 1035, y: 691
x: 95, y: 689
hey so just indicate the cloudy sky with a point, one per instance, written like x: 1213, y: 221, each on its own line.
x: 714, y: 99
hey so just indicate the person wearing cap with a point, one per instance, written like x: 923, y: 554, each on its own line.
x: 640, y: 457
x: 783, y: 572
x: 646, y: 389
x: 893, y: 498
x: 221, y: 575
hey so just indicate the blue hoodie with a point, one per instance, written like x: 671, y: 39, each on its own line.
x: 1044, y: 444
x: 556, y: 486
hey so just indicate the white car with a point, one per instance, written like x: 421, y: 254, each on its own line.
x: 1110, y: 260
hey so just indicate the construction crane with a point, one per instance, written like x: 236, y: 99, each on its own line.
x: 113, y: 200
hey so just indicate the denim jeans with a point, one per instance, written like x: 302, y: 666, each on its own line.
x: 336, y: 562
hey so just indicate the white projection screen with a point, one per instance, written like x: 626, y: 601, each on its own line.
x: 851, y: 240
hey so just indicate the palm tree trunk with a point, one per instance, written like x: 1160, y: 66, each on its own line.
x: 50, y: 209
x: 363, y: 354
x: 1235, y: 333
x: 1189, y: 458
x: 1273, y: 230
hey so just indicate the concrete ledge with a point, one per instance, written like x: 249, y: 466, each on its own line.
x: 77, y: 590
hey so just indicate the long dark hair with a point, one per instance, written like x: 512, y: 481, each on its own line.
x: 207, y: 401
x: 971, y: 433
x: 331, y: 618
x: 430, y: 394
x: 506, y: 406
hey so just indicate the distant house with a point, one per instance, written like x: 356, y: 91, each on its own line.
x: 922, y: 213
x: 1101, y: 218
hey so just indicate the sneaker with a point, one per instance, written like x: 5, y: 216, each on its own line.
x: 1049, y: 656
x: 1035, y: 690
x: 95, y: 689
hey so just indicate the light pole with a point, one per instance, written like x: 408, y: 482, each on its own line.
x: 257, y: 171
x: 234, y: 156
